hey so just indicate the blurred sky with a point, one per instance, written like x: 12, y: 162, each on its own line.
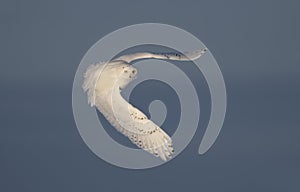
x: 256, y: 44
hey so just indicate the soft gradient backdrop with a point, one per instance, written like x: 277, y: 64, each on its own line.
x: 256, y: 44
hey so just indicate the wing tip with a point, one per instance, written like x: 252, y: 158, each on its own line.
x: 196, y: 54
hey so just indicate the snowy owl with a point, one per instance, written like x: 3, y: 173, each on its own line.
x: 104, y: 82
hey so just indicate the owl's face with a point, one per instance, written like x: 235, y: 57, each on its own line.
x: 127, y: 73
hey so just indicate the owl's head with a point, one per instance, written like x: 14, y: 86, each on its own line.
x: 126, y: 73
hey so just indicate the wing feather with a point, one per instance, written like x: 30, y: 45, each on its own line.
x: 140, y: 130
x: 186, y: 56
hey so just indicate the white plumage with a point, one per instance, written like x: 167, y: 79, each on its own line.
x: 103, y: 83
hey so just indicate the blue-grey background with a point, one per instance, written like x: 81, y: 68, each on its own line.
x: 256, y: 44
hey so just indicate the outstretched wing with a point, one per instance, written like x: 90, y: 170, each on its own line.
x: 145, y: 133
x: 135, y: 125
x: 186, y: 56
